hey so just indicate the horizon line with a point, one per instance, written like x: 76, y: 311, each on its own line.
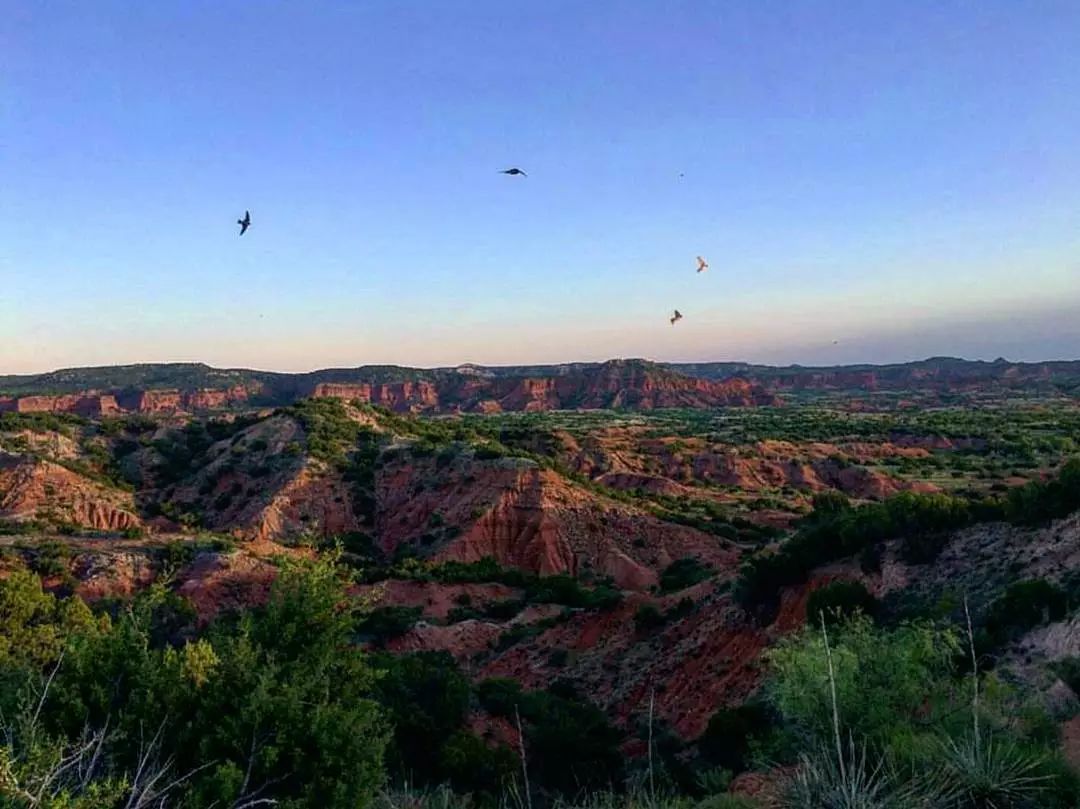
x: 469, y: 364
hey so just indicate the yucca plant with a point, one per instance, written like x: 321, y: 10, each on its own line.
x: 845, y: 777
x: 988, y: 773
x: 854, y: 780
x: 407, y: 796
x: 992, y: 774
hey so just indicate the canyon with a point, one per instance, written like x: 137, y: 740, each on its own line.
x: 619, y: 384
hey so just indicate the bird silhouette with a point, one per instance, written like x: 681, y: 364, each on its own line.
x: 244, y: 223
x: 675, y: 318
x: 514, y: 171
x: 702, y: 264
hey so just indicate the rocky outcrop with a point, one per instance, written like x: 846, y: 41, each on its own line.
x: 937, y: 374
x: 216, y: 583
x: 176, y: 401
x: 96, y: 405
x: 531, y: 519
x: 401, y: 397
x: 630, y: 384
x: 34, y: 489
x: 91, y: 404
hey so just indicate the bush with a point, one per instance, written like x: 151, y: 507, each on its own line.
x: 331, y: 434
x: 883, y: 678
x: 572, y: 746
x: 1068, y: 669
x: 683, y: 573
x: 1023, y: 606
x: 472, y: 766
x: 280, y: 695
x: 385, y: 623
x: 838, y: 601
x: 648, y: 617
x: 730, y: 734
x: 427, y: 697
x: 839, y: 532
x: 1039, y: 502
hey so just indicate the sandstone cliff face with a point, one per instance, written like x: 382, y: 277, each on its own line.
x: 257, y: 485
x: 33, y: 489
x: 97, y: 405
x: 630, y: 458
x: 401, y: 397
x: 310, y: 502
x: 621, y: 385
x: 616, y: 384
x: 708, y: 659
x: 83, y: 404
x: 169, y: 402
x: 529, y: 518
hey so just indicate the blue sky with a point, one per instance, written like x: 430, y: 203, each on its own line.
x: 901, y: 177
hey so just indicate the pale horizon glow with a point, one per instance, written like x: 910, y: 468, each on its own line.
x: 904, y: 179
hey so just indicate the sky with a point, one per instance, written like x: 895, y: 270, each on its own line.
x: 902, y: 178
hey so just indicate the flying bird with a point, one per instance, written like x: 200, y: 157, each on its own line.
x: 702, y: 264
x: 675, y: 318
x: 514, y: 171
x: 244, y: 223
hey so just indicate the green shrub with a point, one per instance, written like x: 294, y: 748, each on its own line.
x: 572, y: 745
x: 471, y: 766
x: 427, y: 698
x: 648, y: 617
x: 280, y: 695
x: 1023, y: 606
x: 838, y: 601
x: 840, y: 532
x: 385, y: 623
x: 683, y: 573
x: 728, y: 738
x: 331, y: 434
x: 1039, y: 502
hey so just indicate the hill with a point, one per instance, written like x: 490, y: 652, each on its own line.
x: 630, y: 384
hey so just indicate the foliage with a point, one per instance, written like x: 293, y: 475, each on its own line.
x: 471, y: 766
x: 427, y: 698
x: 556, y: 589
x: 731, y: 733
x: 1042, y: 501
x: 915, y: 735
x: 683, y: 573
x: 839, y: 532
x: 273, y: 703
x: 1023, y: 606
x: 331, y: 433
x: 63, y: 423
x: 385, y: 623
x: 839, y: 600
x: 571, y: 745
x: 852, y: 781
x: 35, y: 625
x: 992, y: 772
x: 648, y: 617
x: 1068, y: 669
x: 883, y: 677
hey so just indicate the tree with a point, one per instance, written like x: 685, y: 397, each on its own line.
x: 882, y: 678
x: 274, y: 704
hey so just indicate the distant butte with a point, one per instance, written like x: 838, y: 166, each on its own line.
x: 622, y: 384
